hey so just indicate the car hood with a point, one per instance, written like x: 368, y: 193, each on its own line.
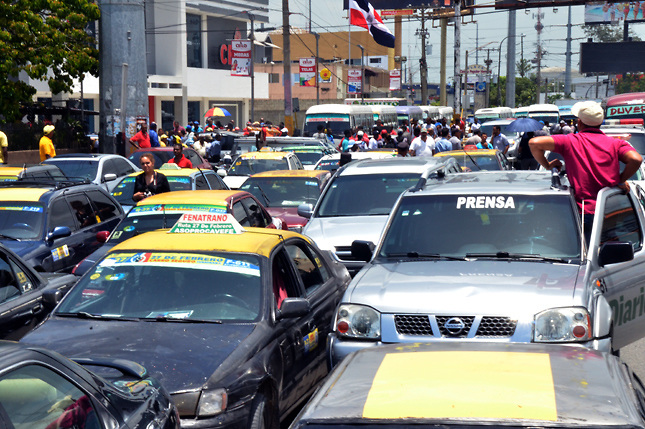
x: 469, y: 287
x: 331, y: 232
x: 182, y: 356
x: 22, y: 248
x: 287, y: 214
x: 234, y: 182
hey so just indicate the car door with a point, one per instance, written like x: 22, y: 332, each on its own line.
x: 61, y: 249
x: 21, y: 306
x: 623, y: 282
x: 82, y: 242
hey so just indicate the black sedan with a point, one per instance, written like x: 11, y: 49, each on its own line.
x: 42, y: 389
x: 26, y: 296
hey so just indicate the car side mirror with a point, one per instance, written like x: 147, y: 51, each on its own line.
x: 362, y: 250
x: 615, y: 252
x: 58, y: 232
x: 293, y: 307
x: 221, y: 172
x: 109, y: 177
x: 305, y: 210
x: 51, y: 298
x: 102, y: 236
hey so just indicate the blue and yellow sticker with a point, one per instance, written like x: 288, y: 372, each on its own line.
x: 311, y: 341
x: 60, y: 253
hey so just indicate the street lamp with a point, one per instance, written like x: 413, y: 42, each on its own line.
x: 499, y: 63
x: 362, y: 71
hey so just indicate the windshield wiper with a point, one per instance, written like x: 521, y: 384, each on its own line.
x: 264, y: 195
x: 507, y: 255
x: 417, y: 255
x: 177, y: 319
x: 9, y: 237
x: 86, y: 315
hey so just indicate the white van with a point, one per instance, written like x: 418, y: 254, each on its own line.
x: 493, y: 113
x: 338, y: 118
x: 544, y: 112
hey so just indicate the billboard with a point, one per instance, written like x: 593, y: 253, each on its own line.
x: 307, y: 71
x: 240, y: 58
x: 625, y: 57
x: 354, y: 80
x: 603, y: 12
x: 395, y: 80
x: 523, y: 4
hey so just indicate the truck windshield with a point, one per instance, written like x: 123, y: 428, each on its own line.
x: 464, y: 225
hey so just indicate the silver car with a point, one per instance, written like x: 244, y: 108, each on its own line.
x: 499, y: 256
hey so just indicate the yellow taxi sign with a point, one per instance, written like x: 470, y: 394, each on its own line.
x: 206, y: 223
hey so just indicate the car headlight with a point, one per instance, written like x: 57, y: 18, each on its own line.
x: 212, y: 402
x: 358, y: 321
x: 559, y: 325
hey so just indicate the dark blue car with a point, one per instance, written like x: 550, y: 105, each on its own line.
x: 54, y: 226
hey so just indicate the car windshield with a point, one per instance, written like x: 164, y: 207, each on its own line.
x: 460, y: 225
x: 310, y: 157
x: 148, y: 218
x: 21, y: 220
x: 365, y: 194
x: 635, y: 139
x: 160, y: 156
x: 125, y: 189
x: 545, y: 117
x: 248, y: 166
x: 337, y: 123
x: 164, y: 286
x: 283, y: 191
x: 484, y: 162
x: 77, y: 168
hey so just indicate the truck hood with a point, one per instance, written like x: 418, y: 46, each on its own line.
x: 468, y: 287
x: 330, y: 232
x: 182, y: 356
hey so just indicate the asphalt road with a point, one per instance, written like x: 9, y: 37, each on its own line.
x: 633, y: 356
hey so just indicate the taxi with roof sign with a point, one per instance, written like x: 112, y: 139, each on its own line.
x: 499, y: 256
x: 179, y: 179
x: 256, y: 162
x: 469, y: 386
x: 233, y: 321
x: 282, y: 191
x: 163, y: 210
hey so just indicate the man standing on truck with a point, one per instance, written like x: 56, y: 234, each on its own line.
x: 591, y: 158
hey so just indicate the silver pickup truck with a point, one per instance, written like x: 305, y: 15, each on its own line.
x: 498, y: 256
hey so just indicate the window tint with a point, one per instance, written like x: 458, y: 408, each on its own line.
x: 36, y: 397
x: 193, y: 157
x: 282, y: 280
x: 309, y: 265
x: 105, y: 208
x: 214, y: 181
x: 61, y: 215
x: 109, y: 167
x: 82, y: 209
x: 23, y: 280
x: 620, y: 222
x: 256, y: 215
x: 8, y: 284
x: 200, y: 182
x: 239, y: 213
x: 123, y: 168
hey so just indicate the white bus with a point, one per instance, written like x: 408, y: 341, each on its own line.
x: 544, y: 112
x: 520, y: 112
x: 493, y: 113
x: 431, y: 112
x: 407, y: 113
x: 446, y: 112
x: 338, y: 118
x: 387, y: 114
x: 376, y: 101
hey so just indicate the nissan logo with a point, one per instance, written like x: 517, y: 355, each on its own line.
x: 454, y: 326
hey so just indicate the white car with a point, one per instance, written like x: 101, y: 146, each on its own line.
x: 101, y: 168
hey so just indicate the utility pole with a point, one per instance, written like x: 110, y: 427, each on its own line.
x: 424, y: 64
x: 252, y: 18
x: 567, y: 73
x: 510, y: 60
x: 362, y: 73
x: 539, y: 28
x: 488, y: 62
x: 457, y: 63
x: 443, y: 100
x: 288, y: 103
x: 317, y: 71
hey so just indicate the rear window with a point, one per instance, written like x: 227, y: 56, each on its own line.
x: 76, y: 169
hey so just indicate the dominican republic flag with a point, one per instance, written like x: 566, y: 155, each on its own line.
x: 363, y: 14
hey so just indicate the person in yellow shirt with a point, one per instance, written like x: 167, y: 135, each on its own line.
x: 46, y: 145
x: 4, y: 151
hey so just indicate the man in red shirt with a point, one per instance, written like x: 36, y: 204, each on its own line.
x: 180, y: 159
x: 141, y: 140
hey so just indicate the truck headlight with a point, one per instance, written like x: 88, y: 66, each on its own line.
x: 559, y: 325
x: 212, y: 402
x: 358, y: 321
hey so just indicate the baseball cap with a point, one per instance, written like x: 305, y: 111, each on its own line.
x: 424, y: 130
x: 589, y: 112
x: 48, y: 129
x: 360, y: 133
x: 383, y: 132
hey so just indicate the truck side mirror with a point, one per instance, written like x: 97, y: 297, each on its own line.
x: 362, y: 250
x: 614, y: 252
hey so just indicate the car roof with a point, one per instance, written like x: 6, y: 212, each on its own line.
x: 499, y: 122
x: 22, y: 194
x: 266, y: 155
x: 202, y: 197
x: 493, y: 182
x: 305, y: 148
x: 391, y: 165
x: 259, y: 241
x: 292, y: 173
x: 475, y: 383
x: 475, y: 152
x: 82, y: 156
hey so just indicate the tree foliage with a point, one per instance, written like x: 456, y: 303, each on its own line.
x: 525, y: 90
x: 47, y: 40
x: 603, y: 33
x: 524, y: 67
x: 630, y: 83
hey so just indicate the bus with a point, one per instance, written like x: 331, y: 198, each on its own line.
x: 338, y: 118
x: 387, y: 114
x: 377, y: 101
x: 408, y: 113
x: 625, y: 106
x: 431, y: 112
x: 544, y: 112
x: 565, y: 113
x: 520, y: 112
x: 493, y: 113
x: 446, y: 112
